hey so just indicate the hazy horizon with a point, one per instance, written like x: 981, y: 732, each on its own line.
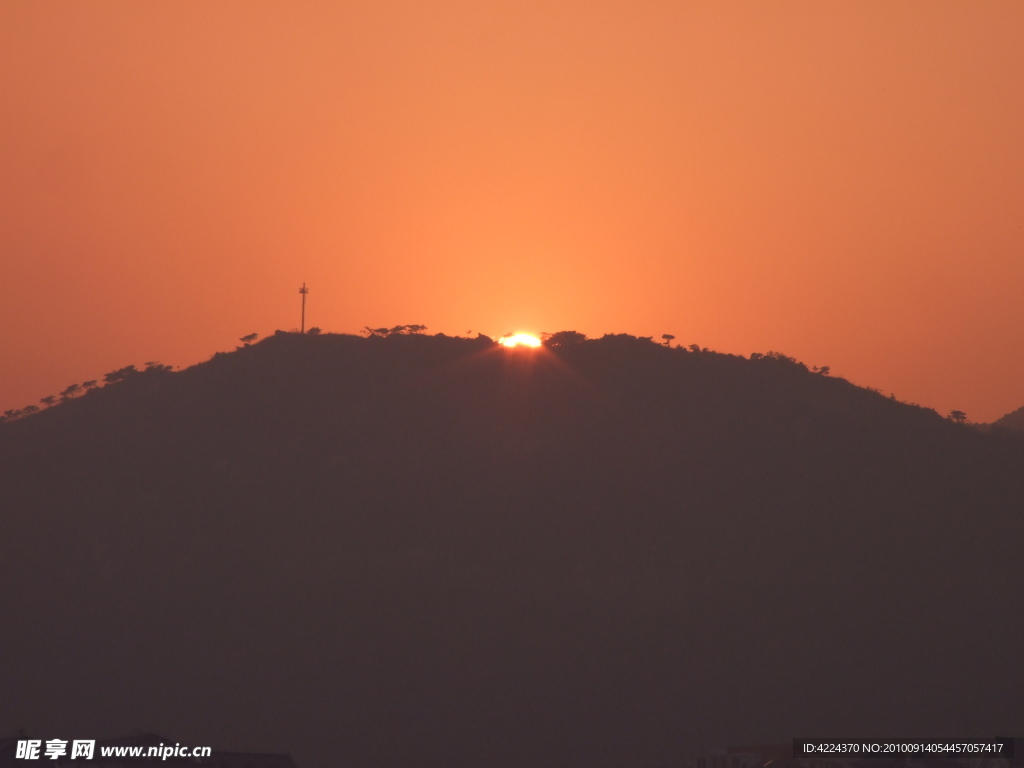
x: 839, y: 182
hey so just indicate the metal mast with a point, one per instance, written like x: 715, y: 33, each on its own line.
x: 303, y: 290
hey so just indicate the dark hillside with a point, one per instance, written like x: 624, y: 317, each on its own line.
x: 1013, y: 420
x: 431, y: 551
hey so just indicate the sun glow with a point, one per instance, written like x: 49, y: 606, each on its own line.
x: 519, y: 340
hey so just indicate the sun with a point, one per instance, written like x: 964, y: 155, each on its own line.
x: 519, y: 340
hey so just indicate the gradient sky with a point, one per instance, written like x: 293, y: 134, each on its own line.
x: 842, y: 181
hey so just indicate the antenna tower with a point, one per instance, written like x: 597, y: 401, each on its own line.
x: 303, y: 290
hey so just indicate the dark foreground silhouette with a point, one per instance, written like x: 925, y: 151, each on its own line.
x: 429, y: 551
x: 1014, y: 420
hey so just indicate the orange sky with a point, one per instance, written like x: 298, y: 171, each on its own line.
x: 842, y: 181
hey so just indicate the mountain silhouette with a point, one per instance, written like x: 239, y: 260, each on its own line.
x: 1013, y: 420
x: 413, y: 550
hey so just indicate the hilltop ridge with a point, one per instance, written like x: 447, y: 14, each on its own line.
x: 429, y: 550
x: 1013, y: 420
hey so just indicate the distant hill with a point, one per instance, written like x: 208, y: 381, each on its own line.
x: 432, y: 551
x: 1014, y: 420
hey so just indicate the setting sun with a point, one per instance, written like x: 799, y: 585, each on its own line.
x: 520, y: 340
